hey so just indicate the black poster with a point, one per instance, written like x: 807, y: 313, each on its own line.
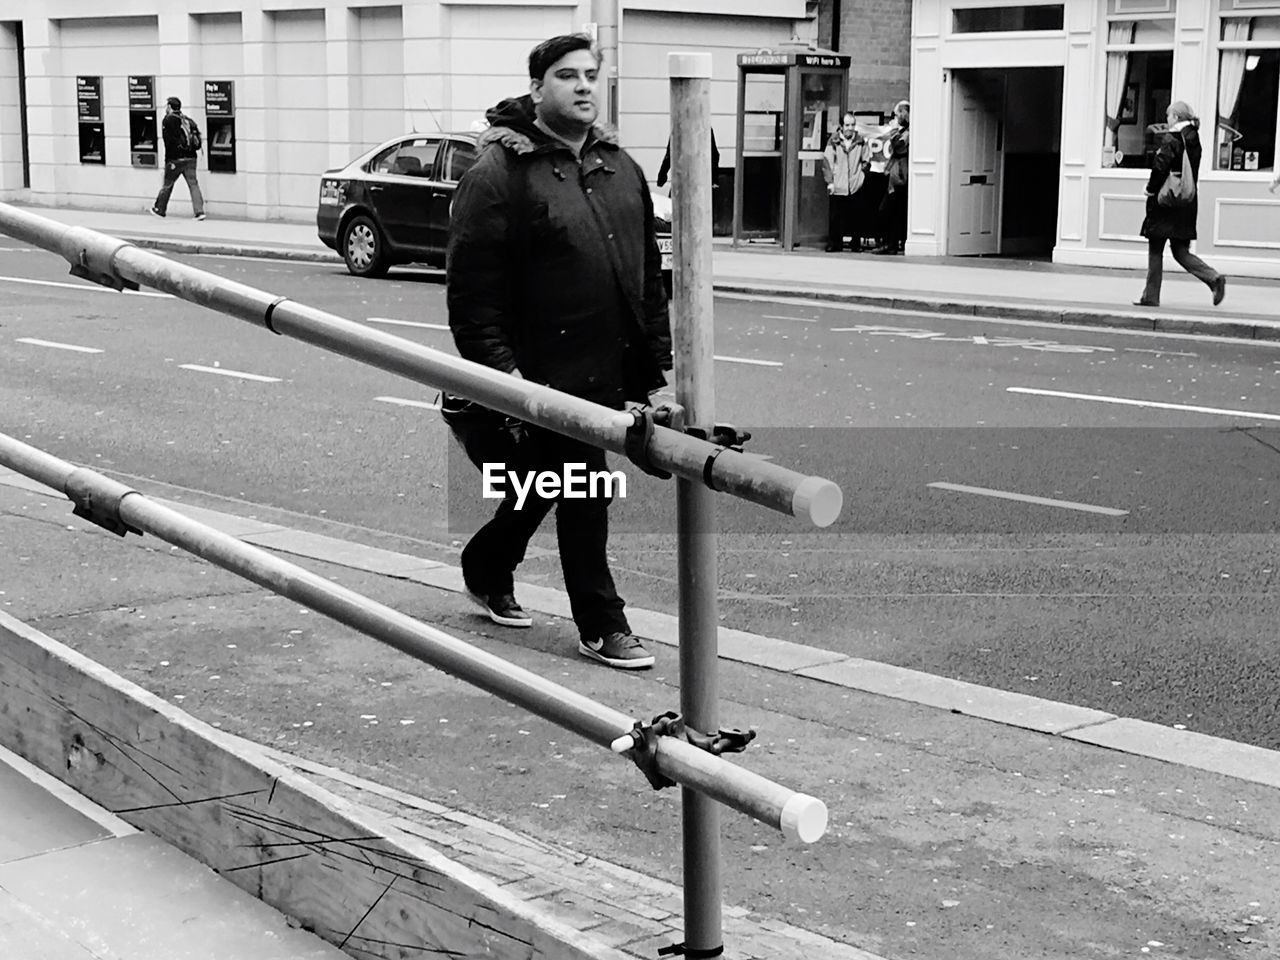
x: 89, y: 99
x: 219, y: 98
x: 142, y: 93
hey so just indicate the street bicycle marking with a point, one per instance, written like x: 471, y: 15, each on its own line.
x: 433, y: 405
x: 407, y: 323
x: 756, y: 363
x: 1028, y: 498
x: 981, y: 340
x: 800, y: 319
x: 57, y: 346
x: 1153, y: 404
x: 224, y: 372
x: 91, y: 287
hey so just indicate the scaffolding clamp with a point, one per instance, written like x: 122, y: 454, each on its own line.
x: 92, y: 261
x: 726, y: 437
x: 100, y: 510
x: 642, y: 743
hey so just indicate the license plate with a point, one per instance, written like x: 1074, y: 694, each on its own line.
x: 666, y: 246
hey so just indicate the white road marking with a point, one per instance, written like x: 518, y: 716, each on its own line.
x: 801, y: 319
x: 92, y: 287
x: 757, y: 363
x: 433, y: 405
x: 1160, y: 353
x: 1153, y: 404
x: 224, y: 372
x: 57, y: 346
x: 407, y: 323
x: 1028, y: 498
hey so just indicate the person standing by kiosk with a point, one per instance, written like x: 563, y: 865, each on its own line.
x: 844, y: 164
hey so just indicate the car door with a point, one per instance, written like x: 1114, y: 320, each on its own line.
x: 400, y: 188
x: 456, y: 158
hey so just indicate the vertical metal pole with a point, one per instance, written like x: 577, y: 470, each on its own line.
x: 690, y: 75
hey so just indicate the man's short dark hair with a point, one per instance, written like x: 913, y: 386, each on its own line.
x: 548, y: 52
x: 175, y: 103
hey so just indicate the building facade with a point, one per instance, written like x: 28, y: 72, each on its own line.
x: 1031, y: 126
x: 285, y: 89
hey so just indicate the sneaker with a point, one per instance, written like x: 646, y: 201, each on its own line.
x: 501, y: 608
x: 199, y: 216
x: 154, y: 212
x: 620, y: 650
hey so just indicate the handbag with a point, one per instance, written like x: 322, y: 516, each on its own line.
x: 1179, y: 187
x: 485, y: 434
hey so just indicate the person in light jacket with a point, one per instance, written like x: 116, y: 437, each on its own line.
x: 844, y: 165
x: 1175, y: 225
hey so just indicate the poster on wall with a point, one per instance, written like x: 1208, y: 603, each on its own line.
x: 89, y: 118
x: 220, y: 115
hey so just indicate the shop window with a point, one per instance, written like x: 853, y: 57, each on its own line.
x: 1008, y: 18
x: 1248, y: 94
x: 1138, y: 90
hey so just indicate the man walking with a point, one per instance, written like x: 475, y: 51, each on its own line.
x: 554, y: 275
x: 181, y: 145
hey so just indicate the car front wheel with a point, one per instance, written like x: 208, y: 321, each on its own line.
x: 363, y: 248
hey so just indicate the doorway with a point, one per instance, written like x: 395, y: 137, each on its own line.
x: 1006, y: 151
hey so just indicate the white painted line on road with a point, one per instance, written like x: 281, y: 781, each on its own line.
x: 1153, y: 404
x: 1028, y: 498
x: 57, y: 346
x: 1160, y: 353
x: 224, y: 372
x: 91, y: 287
x: 757, y: 363
x: 801, y: 319
x: 407, y: 323
x: 434, y: 405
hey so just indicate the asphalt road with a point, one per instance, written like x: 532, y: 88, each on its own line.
x: 1146, y: 587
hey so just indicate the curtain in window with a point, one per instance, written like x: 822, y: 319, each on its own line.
x: 1120, y: 31
x: 1231, y: 70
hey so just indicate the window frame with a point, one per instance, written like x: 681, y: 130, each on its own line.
x: 1171, y: 47
x: 1216, y: 172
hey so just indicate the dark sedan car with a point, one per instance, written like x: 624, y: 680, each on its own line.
x: 391, y: 204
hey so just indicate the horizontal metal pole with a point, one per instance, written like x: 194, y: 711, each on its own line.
x: 810, y: 498
x: 794, y: 813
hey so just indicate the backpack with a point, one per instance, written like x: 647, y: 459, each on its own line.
x: 1179, y: 187
x: 191, y: 138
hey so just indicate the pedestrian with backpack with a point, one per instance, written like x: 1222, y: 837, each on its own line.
x: 1173, y: 205
x: 182, y: 143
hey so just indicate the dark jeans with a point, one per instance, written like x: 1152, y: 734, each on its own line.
x: 841, y: 222
x: 172, y: 170
x: 1187, y: 260
x: 894, y: 211
x: 491, y: 556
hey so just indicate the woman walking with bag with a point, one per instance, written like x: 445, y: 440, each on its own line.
x: 1171, y: 217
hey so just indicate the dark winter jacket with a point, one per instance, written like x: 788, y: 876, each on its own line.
x: 171, y: 131
x: 1173, y: 223
x: 567, y: 287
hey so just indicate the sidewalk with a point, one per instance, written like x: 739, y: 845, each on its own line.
x: 1004, y: 289
x: 965, y: 822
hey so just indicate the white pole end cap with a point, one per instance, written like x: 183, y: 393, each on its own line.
x: 817, y: 499
x: 804, y: 818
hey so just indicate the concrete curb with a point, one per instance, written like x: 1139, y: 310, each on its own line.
x: 1049, y: 313
x: 1241, y: 329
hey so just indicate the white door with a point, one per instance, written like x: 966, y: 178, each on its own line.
x: 977, y: 115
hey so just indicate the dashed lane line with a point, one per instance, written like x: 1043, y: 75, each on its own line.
x: 56, y: 345
x: 1152, y: 404
x: 400, y: 401
x: 1029, y: 498
x: 224, y: 372
x: 748, y: 360
x: 89, y: 287
x: 391, y: 321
